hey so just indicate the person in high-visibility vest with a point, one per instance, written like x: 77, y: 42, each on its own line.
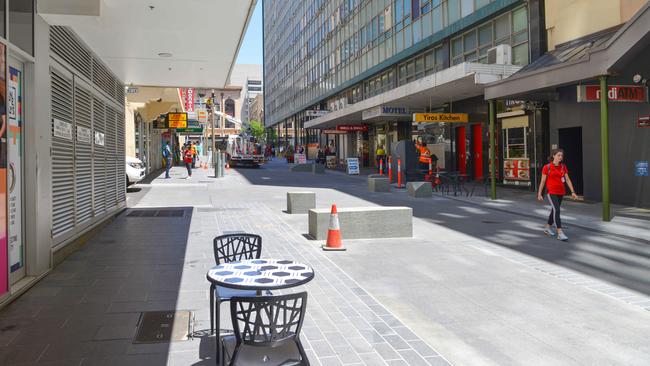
x: 380, y: 154
x: 425, y: 156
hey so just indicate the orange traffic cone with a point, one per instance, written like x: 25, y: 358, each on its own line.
x: 334, y: 233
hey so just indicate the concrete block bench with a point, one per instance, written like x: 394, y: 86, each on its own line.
x: 318, y: 168
x: 419, y: 189
x: 378, y: 183
x: 300, y: 202
x: 364, y: 222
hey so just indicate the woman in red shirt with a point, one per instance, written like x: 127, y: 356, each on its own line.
x: 188, y: 157
x: 554, y: 175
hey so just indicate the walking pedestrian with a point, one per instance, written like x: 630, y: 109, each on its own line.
x: 554, y: 175
x: 167, y: 155
x: 194, y: 154
x: 187, y: 159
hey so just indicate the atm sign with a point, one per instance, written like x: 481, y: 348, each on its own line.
x: 615, y: 93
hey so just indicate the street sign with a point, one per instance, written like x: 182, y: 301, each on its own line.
x: 440, y: 117
x: 641, y: 168
x: 353, y: 166
x: 176, y: 120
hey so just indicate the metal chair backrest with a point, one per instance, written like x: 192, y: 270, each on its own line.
x: 268, y: 321
x: 236, y: 247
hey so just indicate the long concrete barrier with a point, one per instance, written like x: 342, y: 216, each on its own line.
x: 364, y: 222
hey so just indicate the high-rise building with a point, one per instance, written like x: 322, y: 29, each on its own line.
x: 332, y: 64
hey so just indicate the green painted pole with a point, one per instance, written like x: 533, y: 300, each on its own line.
x: 493, y: 170
x: 604, y: 145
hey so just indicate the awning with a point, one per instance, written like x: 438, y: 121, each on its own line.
x: 458, y: 82
x: 603, y: 53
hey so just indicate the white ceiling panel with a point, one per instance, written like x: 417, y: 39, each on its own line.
x: 202, y: 36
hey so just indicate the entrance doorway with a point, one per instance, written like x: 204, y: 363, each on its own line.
x: 570, y: 140
x: 477, y: 151
x: 14, y: 140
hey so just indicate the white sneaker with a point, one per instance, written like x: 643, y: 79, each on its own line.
x: 561, y: 236
x: 549, y: 231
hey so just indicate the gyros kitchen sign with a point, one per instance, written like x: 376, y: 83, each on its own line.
x: 615, y: 93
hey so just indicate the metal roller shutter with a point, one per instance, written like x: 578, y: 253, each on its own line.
x: 99, y: 156
x: 111, y: 159
x: 62, y: 155
x: 121, y: 168
x: 83, y: 154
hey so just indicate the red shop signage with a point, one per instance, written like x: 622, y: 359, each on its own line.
x: 615, y: 93
x: 352, y: 128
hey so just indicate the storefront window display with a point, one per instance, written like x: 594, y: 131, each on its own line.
x: 516, y: 160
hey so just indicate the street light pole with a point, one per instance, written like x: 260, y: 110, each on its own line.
x: 214, y: 160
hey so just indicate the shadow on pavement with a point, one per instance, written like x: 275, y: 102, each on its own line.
x: 621, y: 261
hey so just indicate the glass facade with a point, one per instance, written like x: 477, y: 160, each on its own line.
x: 314, y: 48
x: 21, y: 24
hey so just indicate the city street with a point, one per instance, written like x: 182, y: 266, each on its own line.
x: 472, y: 287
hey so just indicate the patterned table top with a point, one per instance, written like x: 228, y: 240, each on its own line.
x: 260, y: 274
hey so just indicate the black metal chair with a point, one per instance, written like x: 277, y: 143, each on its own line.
x: 266, y: 331
x: 230, y: 248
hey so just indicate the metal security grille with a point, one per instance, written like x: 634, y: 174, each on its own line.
x: 62, y: 157
x: 83, y: 154
x: 111, y: 159
x: 64, y: 44
x: 121, y: 163
x: 99, y: 157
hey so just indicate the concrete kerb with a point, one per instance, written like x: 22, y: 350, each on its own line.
x: 364, y: 222
x: 419, y: 189
x: 378, y: 183
x: 300, y: 202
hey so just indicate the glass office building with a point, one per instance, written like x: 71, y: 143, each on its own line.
x: 329, y: 63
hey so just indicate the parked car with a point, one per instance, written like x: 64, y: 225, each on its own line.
x: 134, y: 170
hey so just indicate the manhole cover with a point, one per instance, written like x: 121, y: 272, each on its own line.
x: 163, y: 326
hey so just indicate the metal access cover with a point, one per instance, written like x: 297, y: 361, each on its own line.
x: 156, y: 213
x: 163, y: 326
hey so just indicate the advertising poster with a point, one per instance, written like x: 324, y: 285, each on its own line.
x: 4, y: 260
x: 14, y: 142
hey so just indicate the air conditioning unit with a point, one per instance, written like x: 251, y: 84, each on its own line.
x: 501, y: 55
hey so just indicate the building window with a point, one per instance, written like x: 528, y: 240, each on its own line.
x: 229, y: 107
x: 21, y: 24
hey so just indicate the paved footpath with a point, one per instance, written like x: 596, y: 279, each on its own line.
x: 473, y: 287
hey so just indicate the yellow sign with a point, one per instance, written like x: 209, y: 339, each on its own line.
x: 440, y: 117
x: 177, y: 120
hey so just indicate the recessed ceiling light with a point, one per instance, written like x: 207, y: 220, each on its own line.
x: 165, y: 54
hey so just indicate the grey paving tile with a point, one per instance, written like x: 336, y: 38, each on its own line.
x: 422, y: 348
x: 386, y: 351
x: 114, y: 332
x: 412, y: 358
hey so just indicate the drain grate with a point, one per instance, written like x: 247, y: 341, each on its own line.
x: 156, y: 213
x: 221, y: 209
x: 490, y: 222
x: 163, y: 326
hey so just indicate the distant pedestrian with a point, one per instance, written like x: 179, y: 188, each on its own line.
x: 167, y: 156
x: 195, y: 155
x: 554, y: 175
x: 380, y: 154
x: 187, y: 159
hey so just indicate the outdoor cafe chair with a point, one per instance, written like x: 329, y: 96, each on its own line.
x: 266, y: 331
x: 230, y: 248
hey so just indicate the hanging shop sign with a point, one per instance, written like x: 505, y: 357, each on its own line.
x: 352, y: 128
x: 132, y: 90
x: 353, y: 165
x: 193, y: 126
x: 641, y: 168
x: 62, y: 129
x: 84, y: 134
x: 160, y: 124
x: 202, y: 115
x: 334, y: 132
x: 441, y: 117
x: 615, y: 93
x: 385, y: 112
x: 177, y: 120
x: 644, y: 121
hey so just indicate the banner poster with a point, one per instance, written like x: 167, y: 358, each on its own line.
x: 14, y: 143
x: 4, y: 260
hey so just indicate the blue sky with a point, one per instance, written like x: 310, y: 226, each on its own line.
x: 251, y: 48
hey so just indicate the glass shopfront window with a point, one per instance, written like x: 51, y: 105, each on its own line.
x: 21, y: 24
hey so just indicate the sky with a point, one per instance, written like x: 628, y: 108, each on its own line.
x: 251, y: 48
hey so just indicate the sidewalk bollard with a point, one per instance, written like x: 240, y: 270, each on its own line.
x: 430, y: 169
x: 217, y: 163
x: 390, y: 170
x: 381, y: 166
x: 222, y: 169
x: 399, y: 173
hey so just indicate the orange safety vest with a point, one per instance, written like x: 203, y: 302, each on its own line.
x: 425, y: 155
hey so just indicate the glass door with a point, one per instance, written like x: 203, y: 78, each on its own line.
x: 14, y: 141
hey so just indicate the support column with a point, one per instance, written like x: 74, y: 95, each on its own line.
x: 493, y: 167
x: 604, y: 145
